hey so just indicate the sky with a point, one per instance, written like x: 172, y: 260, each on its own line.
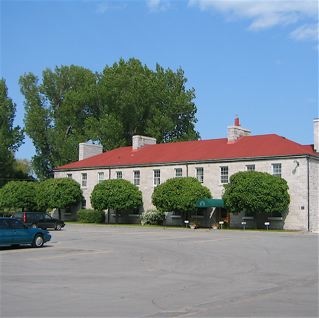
x: 255, y: 59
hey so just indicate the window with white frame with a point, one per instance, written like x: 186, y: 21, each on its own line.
x: 119, y: 175
x: 224, y: 174
x: 200, y: 174
x: 84, y: 179
x: 156, y: 177
x: 178, y: 172
x: 100, y: 177
x: 276, y: 169
x: 136, y: 177
x: 69, y: 175
x: 250, y: 167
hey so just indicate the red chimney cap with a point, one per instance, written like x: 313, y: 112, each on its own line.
x: 236, y: 122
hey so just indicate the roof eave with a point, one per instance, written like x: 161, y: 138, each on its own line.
x: 187, y: 162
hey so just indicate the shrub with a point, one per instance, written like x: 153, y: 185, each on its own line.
x: 116, y: 194
x: 179, y: 195
x: 90, y: 216
x: 19, y: 195
x: 256, y: 192
x: 153, y: 217
x: 58, y: 193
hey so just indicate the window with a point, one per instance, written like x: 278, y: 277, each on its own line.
x: 224, y: 174
x: 250, y: 167
x: 119, y: 175
x: 69, y: 175
x: 84, y: 180
x: 200, y: 174
x: 4, y: 224
x: 178, y: 172
x: 100, y: 177
x: 157, y: 177
x: 136, y: 177
x: 16, y: 224
x: 276, y: 169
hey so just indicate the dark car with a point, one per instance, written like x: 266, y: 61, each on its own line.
x: 39, y: 219
x: 14, y: 232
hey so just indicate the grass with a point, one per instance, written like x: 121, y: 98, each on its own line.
x: 179, y: 227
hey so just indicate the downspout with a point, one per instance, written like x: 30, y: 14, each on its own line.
x: 186, y: 169
x: 308, y: 193
x: 108, y: 210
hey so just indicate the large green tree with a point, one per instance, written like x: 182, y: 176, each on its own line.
x: 72, y: 104
x: 116, y: 194
x: 11, y: 137
x: 135, y: 100
x: 179, y: 195
x: 256, y: 192
x: 55, y: 111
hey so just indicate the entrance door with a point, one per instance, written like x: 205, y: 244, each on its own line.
x: 220, y: 214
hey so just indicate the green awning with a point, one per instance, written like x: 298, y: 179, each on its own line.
x: 209, y: 203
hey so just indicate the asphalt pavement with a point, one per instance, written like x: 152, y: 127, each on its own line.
x: 108, y: 271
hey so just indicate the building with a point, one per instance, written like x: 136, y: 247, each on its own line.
x: 147, y: 164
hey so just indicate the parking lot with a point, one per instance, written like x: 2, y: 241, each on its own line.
x: 105, y: 271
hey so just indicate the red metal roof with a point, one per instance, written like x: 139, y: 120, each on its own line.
x: 200, y: 150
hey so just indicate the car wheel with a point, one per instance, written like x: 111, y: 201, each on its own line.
x: 58, y: 227
x: 34, y: 226
x: 38, y: 241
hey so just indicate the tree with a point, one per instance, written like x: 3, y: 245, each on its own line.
x: 59, y: 193
x: 73, y: 105
x: 19, y: 195
x: 55, y: 111
x: 116, y: 194
x: 135, y: 100
x: 22, y: 170
x: 256, y: 193
x: 179, y: 195
x: 10, y: 137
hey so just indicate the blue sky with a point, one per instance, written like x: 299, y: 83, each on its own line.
x: 257, y: 59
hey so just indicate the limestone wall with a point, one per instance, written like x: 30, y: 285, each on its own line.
x: 294, y: 171
x: 314, y: 195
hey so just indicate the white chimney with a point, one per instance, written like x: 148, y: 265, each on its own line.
x: 316, y: 134
x: 236, y: 131
x: 87, y: 150
x: 141, y: 141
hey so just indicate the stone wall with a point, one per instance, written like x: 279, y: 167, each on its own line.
x: 314, y: 195
x: 294, y: 171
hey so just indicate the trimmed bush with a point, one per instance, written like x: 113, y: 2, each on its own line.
x: 256, y: 193
x: 19, y: 195
x: 58, y: 193
x: 179, y: 195
x: 90, y: 216
x: 152, y: 217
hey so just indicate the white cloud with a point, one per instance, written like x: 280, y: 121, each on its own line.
x: 265, y: 14
x: 107, y: 5
x: 305, y: 32
x: 158, y: 5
